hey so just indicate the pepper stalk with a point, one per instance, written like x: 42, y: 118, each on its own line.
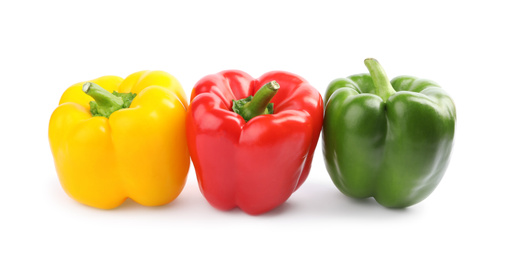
x: 105, y: 102
x: 383, y: 87
x: 258, y: 104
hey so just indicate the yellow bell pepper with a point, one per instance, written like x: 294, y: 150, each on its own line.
x: 136, y: 152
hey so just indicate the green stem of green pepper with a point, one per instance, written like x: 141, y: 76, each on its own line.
x: 383, y: 87
x: 106, y: 102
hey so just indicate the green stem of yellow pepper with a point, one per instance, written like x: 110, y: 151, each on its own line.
x: 106, y: 102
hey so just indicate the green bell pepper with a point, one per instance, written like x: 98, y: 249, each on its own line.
x: 387, y: 140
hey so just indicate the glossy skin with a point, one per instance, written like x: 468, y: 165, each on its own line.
x: 395, y: 151
x: 255, y: 166
x: 139, y: 152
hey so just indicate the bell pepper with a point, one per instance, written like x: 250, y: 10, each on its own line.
x: 246, y: 152
x: 390, y: 140
x: 108, y: 147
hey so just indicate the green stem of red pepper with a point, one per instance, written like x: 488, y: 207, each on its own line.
x: 383, y: 87
x: 251, y: 107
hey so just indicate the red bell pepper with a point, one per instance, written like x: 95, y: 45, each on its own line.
x: 253, y: 164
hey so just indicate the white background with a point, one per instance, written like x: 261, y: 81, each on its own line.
x: 46, y: 46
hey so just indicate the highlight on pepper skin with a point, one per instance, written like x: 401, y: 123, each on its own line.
x: 114, y: 138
